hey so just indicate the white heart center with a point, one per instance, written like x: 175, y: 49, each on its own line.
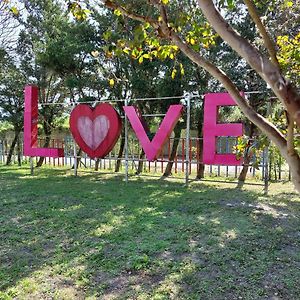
x: 93, y: 132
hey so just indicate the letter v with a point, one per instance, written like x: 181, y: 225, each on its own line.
x: 152, y: 148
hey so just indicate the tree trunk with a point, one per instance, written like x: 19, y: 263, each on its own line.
x: 120, y: 154
x: 97, y: 162
x: 78, y: 155
x: 19, y: 151
x: 200, y: 165
x: 141, y: 163
x: 249, y: 129
x: 243, y: 174
x: 47, y: 127
x: 177, y: 134
x: 293, y: 161
x: 12, y: 147
x: 46, y: 145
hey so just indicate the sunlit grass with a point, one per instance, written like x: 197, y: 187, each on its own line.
x: 97, y: 237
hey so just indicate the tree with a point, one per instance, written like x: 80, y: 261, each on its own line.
x: 47, y: 28
x: 172, y: 23
x: 13, y: 80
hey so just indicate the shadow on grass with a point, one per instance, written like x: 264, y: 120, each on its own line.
x: 98, y: 236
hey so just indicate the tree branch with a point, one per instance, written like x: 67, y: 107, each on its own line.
x: 290, y: 135
x: 261, y: 64
x: 164, y: 20
x: 126, y: 13
x: 268, y: 128
x: 269, y: 44
x: 262, y: 123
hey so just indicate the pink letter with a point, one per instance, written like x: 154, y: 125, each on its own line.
x: 211, y: 129
x: 153, y: 148
x: 31, y: 129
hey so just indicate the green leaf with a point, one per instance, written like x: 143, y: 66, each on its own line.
x: 15, y: 11
x: 107, y: 35
x: 174, y: 72
x: 117, y: 12
x: 230, y: 3
x: 289, y: 3
x: 111, y: 82
x: 181, y: 69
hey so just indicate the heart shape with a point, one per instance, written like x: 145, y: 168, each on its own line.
x: 97, y: 130
x: 93, y: 132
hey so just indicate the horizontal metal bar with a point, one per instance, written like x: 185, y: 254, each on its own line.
x: 179, y: 161
x: 119, y: 100
x: 141, y: 99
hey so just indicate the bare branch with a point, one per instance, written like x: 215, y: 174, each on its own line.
x: 269, y: 44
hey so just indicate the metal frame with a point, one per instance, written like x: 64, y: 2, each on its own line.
x: 187, y: 158
x: 187, y: 140
x: 126, y: 145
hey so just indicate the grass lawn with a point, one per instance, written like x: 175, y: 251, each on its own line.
x: 96, y: 237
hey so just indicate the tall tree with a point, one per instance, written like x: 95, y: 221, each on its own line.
x: 59, y: 52
x: 13, y: 79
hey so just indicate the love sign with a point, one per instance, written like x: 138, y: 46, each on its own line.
x: 96, y: 130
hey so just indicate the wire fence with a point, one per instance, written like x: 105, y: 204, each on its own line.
x: 138, y: 164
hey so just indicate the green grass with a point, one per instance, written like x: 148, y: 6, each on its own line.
x: 96, y: 237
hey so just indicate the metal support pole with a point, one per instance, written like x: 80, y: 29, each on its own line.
x: 1, y: 152
x: 75, y: 159
x: 126, y: 144
x: 187, y: 141
x: 31, y: 166
x: 266, y: 173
